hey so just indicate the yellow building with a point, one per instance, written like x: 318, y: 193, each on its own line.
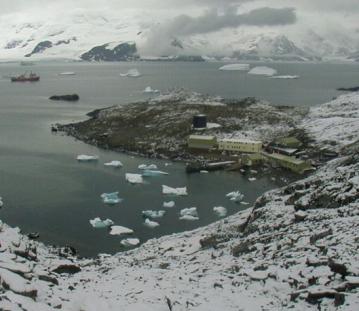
x: 202, y: 142
x: 240, y: 145
x: 295, y: 165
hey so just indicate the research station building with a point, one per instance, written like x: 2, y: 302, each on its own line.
x: 202, y: 142
x: 240, y: 145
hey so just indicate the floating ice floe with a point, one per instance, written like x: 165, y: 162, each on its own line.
x: 130, y: 242
x: 204, y: 172
x: 150, y: 90
x: 114, y: 163
x: 147, y: 167
x: 150, y: 223
x: 169, y: 204
x: 174, y: 191
x: 244, y: 203
x: 233, y: 67
x: 1, y: 202
x: 153, y: 214
x: 263, y: 70
x: 252, y: 179
x: 134, y: 178
x: 86, y: 158
x: 149, y: 173
x: 98, y: 223
x: 235, y: 196
x: 132, y: 73
x: 119, y: 230
x: 189, y: 214
x: 220, y: 211
x: 286, y: 77
x: 67, y: 73
x: 111, y: 198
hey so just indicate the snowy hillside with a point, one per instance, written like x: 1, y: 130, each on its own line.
x: 295, y: 249
x: 77, y: 32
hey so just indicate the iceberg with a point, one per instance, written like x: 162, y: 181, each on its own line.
x: 220, y: 211
x: 119, y: 230
x: 263, y: 70
x: 149, y: 173
x: 235, y: 196
x: 174, y: 191
x: 147, y: 167
x: 130, y: 242
x: 132, y: 73
x: 98, y: 223
x: 153, y: 214
x: 232, y: 67
x: 189, y: 211
x: 149, y: 90
x: 86, y: 158
x: 134, y: 178
x: 189, y: 217
x: 111, y: 198
x: 114, y: 163
x: 169, y: 204
x: 286, y: 77
x: 151, y: 224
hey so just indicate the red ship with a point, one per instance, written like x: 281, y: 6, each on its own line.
x: 32, y: 77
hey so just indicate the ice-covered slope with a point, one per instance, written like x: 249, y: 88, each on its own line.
x: 71, y: 34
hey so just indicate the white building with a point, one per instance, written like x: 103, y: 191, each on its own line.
x: 240, y: 145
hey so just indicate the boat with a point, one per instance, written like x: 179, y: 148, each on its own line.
x: 32, y: 77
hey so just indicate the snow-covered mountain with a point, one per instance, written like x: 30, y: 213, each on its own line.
x: 107, y: 36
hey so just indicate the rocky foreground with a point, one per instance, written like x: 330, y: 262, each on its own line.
x: 296, y: 248
x: 160, y: 127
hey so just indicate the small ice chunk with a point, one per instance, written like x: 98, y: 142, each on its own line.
x: 134, y: 178
x: 150, y: 90
x: 130, y: 242
x: 111, y: 198
x: 204, y: 172
x: 169, y: 204
x: 174, y: 191
x: 119, y: 230
x: 232, y: 67
x: 86, y: 158
x: 252, y: 178
x: 189, y: 217
x: 150, y: 223
x: 1, y: 202
x: 149, y: 173
x: 153, y: 214
x: 286, y: 77
x: 132, y: 73
x: 263, y: 70
x: 113, y: 163
x: 220, y: 211
x: 211, y: 125
x: 244, y: 203
x: 147, y: 167
x: 98, y: 223
x: 189, y: 211
x: 235, y: 196
x: 67, y: 73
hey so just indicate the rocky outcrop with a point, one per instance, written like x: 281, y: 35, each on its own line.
x: 71, y: 98
x: 122, y: 52
x: 40, y: 47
